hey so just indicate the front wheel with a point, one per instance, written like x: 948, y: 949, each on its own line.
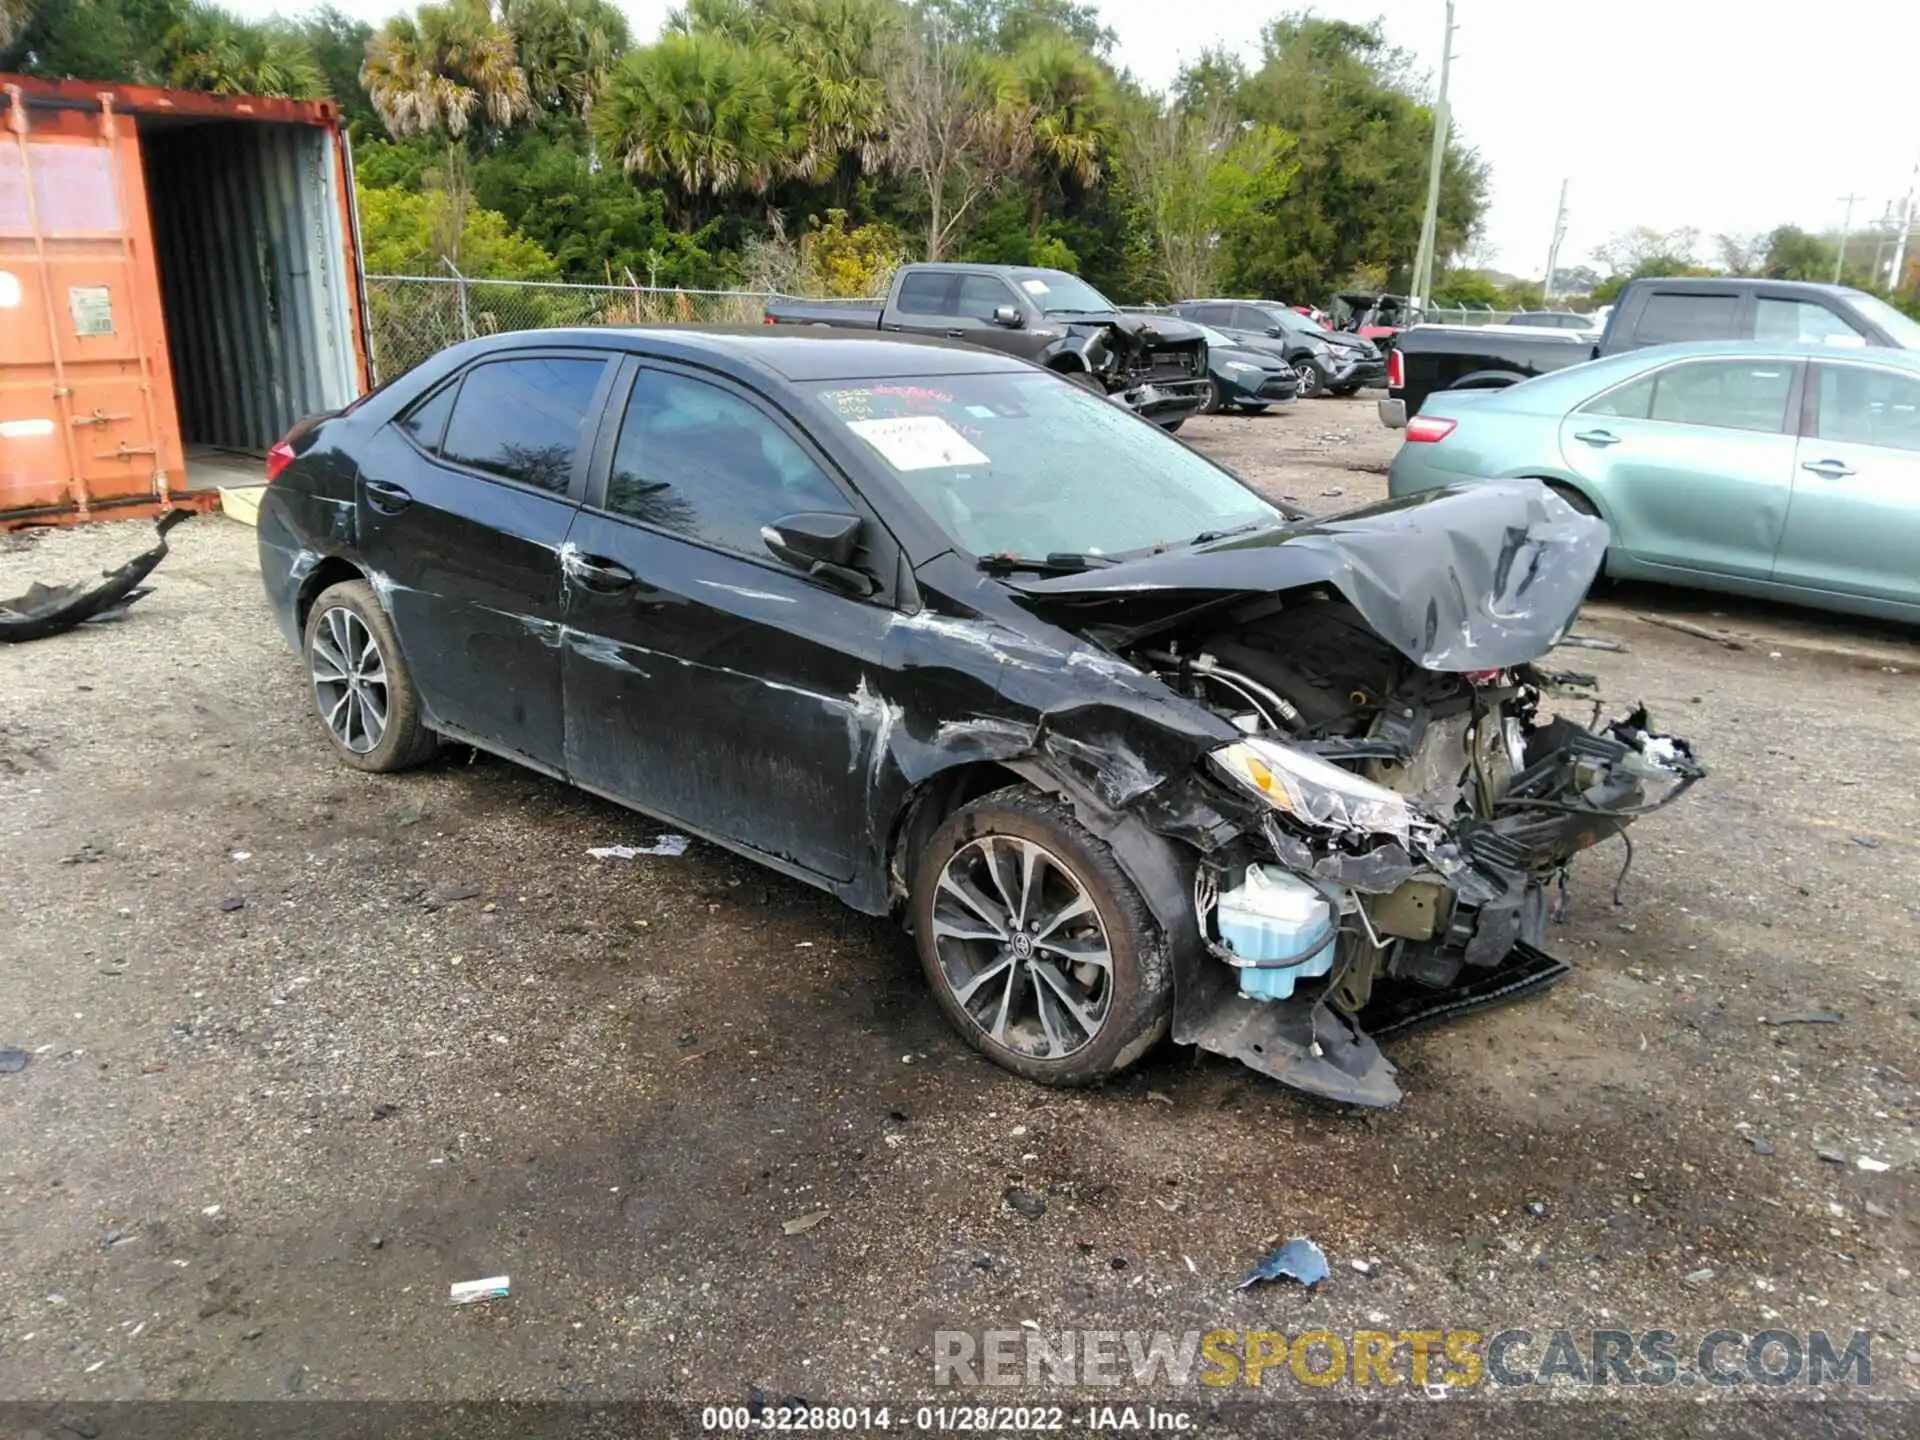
x: 1345, y: 390
x: 1039, y: 950
x: 361, y: 686
x: 1216, y: 398
x: 1312, y: 379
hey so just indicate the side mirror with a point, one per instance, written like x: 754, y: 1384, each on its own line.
x: 821, y: 546
x: 1008, y: 316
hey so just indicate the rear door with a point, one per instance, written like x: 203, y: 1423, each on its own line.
x: 465, y: 503
x: 1854, y: 523
x: 707, y: 682
x: 1685, y: 314
x: 1693, y: 462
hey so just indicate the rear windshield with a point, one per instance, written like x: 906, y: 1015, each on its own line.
x: 1023, y: 463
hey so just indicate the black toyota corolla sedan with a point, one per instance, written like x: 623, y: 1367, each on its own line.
x: 1129, y: 749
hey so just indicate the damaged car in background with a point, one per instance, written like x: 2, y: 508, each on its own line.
x: 1130, y: 750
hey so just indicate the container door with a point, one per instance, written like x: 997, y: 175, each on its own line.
x: 86, y: 403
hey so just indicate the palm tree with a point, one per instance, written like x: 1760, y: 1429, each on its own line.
x: 440, y: 68
x: 211, y: 50
x: 839, y: 101
x: 567, y: 49
x: 1067, y: 94
x: 702, y: 112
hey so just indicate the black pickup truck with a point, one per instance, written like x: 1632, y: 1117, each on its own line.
x: 1649, y: 312
x: 1153, y: 365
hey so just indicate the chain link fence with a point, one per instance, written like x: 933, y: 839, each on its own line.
x: 410, y: 317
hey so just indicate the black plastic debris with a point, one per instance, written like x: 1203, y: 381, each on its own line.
x: 1299, y: 1259
x: 1805, y: 1017
x: 1761, y: 1145
x: 51, y: 609
x: 12, y: 1061
x: 233, y: 903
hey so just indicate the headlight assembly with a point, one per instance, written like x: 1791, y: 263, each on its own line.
x: 1312, y: 790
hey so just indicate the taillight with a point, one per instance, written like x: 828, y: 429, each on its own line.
x: 278, y: 458
x: 1426, y: 429
x: 1396, y: 371
x: 766, y: 319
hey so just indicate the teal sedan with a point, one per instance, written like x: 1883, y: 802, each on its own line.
x: 1791, y: 472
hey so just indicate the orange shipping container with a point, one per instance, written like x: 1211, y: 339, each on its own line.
x: 179, y: 283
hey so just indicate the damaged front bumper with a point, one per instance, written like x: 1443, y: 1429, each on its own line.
x: 1443, y: 920
x: 1162, y: 400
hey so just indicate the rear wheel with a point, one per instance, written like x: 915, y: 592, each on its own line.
x: 1038, y: 948
x: 1216, y: 398
x: 361, y: 687
x: 1345, y: 390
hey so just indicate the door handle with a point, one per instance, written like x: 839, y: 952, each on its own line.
x: 956, y: 334
x: 598, y: 573
x: 1828, y: 469
x: 387, y: 498
x: 1599, y: 439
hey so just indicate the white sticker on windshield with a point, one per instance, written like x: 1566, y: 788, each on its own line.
x: 1034, y: 287
x: 917, y: 442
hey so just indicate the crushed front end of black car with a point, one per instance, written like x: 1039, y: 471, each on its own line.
x: 1378, y: 843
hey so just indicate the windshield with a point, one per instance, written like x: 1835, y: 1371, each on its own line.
x: 1024, y: 463
x: 1296, y: 322
x: 1059, y: 293
x: 1903, y: 328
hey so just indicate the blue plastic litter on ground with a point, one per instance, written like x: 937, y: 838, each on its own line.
x: 1299, y: 1259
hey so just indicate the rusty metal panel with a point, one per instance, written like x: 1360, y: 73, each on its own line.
x: 86, y: 403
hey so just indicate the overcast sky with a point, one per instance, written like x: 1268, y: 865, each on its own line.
x: 1725, y: 115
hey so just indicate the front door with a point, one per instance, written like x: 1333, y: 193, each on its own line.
x: 705, y: 681
x: 1854, y: 524
x: 1694, y: 462
x: 465, y: 503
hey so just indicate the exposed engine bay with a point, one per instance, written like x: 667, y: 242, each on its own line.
x: 1416, y: 824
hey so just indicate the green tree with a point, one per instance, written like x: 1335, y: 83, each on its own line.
x: 1364, y: 132
x: 211, y: 50
x: 701, y: 113
x: 1204, y: 181
x: 566, y: 48
x: 1466, y: 290
x: 1004, y: 26
x: 1065, y: 94
x: 444, y: 68
x: 91, y: 39
x: 338, y: 44
x: 414, y: 232
x: 1793, y: 254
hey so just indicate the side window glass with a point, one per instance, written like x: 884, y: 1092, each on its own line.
x: 524, y: 419
x: 1728, y: 394
x: 1248, y: 317
x: 702, y: 462
x: 1864, y: 406
x: 980, y: 295
x: 925, y: 293
x: 1632, y: 401
x: 1681, y: 315
x: 1802, y: 322
x: 426, y: 422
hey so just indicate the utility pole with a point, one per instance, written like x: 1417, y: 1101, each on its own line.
x: 1846, y: 234
x: 1898, y: 273
x: 1442, y: 124
x: 1553, y: 250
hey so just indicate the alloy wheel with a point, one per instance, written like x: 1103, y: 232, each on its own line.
x: 1022, y: 948
x: 349, y: 680
x: 1309, y: 377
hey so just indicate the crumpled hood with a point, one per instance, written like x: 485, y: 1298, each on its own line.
x: 1146, y: 331
x: 1358, y: 344
x: 1472, y: 577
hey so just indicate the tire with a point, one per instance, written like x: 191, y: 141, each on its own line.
x: 1345, y: 390
x: 1122, y: 1010
x: 1313, y: 380
x: 1252, y: 408
x: 1172, y: 427
x: 1086, y: 380
x: 349, y: 638
x: 1216, y: 398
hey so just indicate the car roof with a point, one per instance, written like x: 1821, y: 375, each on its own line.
x: 792, y: 352
x: 1722, y: 282
x: 1777, y: 350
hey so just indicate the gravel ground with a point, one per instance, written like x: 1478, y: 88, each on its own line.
x: 309, y: 1046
